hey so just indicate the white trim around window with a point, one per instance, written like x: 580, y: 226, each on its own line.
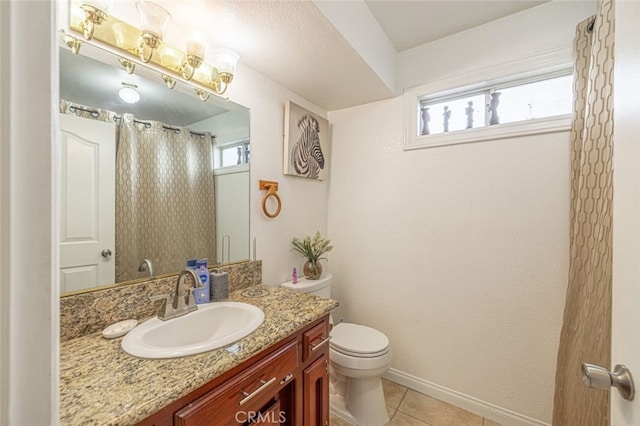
x: 543, y: 63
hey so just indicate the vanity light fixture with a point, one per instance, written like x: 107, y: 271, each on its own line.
x: 95, y: 12
x: 153, y: 19
x: 128, y: 93
x: 169, y: 81
x: 204, y: 96
x: 127, y: 65
x: 171, y: 59
x: 196, y: 45
x: 225, y: 62
x: 72, y: 43
x: 145, y: 45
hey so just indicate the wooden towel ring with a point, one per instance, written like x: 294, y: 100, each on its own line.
x: 272, y: 191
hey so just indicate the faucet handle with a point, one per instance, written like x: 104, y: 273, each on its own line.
x: 154, y: 297
x: 165, y: 307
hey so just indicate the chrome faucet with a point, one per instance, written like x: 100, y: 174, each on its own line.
x: 146, y: 265
x: 179, y: 303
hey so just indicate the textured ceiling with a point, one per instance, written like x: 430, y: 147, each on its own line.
x: 294, y: 44
x: 289, y: 41
x: 301, y: 50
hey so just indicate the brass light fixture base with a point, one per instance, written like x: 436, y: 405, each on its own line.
x: 72, y: 43
x: 204, y: 96
x: 127, y: 64
x: 170, y: 81
x: 94, y: 16
x: 148, y: 43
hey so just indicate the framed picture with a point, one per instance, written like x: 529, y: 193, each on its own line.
x: 306, y: 143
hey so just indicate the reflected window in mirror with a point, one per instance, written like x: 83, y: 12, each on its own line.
x: 234, y: 154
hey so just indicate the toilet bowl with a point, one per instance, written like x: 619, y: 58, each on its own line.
x: 358, y: 357
x: 361, y: 355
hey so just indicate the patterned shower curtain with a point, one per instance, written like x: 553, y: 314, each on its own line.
x: 586, y: 328
x: 165, y: 205
x: 164, y: 198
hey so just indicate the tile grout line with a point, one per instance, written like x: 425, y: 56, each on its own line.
x: 406, y: 390
x: 415, y: 418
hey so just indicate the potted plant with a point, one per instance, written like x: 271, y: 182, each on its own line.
x: 312, y: 249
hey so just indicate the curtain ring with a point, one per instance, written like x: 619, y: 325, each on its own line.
x: 272, y: 191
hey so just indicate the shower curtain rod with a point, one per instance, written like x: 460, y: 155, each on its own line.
x: 146, y: 124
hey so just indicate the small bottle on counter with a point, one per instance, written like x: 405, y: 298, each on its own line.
x: 294, y: 276
x: 202, y: 294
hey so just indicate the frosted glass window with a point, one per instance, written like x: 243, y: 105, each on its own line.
x: 547, y: 97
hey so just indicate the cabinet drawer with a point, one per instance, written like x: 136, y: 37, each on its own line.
x: 248, y: 391
x: 315, y: 339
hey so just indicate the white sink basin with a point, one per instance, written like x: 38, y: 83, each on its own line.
x: 212, y: 326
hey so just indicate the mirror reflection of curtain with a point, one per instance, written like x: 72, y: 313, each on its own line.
x: 165, y: 201
x: 164, y: 198
x: 586, y: 328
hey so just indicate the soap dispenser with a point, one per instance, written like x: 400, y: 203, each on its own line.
x: 202, y: 294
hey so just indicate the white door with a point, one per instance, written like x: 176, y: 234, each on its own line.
x: 626, y: 207
x: 87, y: 203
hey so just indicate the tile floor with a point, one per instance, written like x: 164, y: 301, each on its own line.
x: 410, y: 408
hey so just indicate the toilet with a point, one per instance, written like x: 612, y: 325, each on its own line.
x: 358, y: 356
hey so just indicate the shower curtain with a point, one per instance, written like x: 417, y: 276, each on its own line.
x: 165, y: 205
x: 164, y: 197
x: 586, y: 328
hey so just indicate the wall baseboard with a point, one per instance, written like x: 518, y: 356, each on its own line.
x: 481, y: 408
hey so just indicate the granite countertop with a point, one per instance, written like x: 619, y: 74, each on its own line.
x: 101, y: 384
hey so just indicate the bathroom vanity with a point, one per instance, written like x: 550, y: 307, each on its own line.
x: 276, y: 375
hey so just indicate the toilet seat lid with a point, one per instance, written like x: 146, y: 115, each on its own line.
x: 354, y: 339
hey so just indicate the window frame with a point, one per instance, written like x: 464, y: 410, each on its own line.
x: 547, y: 64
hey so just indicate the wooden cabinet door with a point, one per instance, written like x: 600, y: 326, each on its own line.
x: 272, y: 416
x: 316, y: 393
x: 315, y: 340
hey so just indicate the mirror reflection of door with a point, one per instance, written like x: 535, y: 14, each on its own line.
x: 87, y: 203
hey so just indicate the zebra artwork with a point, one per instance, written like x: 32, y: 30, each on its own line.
x: 306, y: 155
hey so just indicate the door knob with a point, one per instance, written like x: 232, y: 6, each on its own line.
x: 106, y: 253
x: 598, y: 377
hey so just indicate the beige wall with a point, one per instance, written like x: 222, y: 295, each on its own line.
x: 304, y: 202
x: 459, y: 253
x: 28, y: 255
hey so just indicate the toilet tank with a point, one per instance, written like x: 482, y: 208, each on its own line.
x: 320, y: 287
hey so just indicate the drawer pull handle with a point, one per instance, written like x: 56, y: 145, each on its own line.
x: 248, y: 396
x: 317, y: 345
x: 286, y: 378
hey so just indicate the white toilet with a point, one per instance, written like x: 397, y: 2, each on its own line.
x: 358, y: 356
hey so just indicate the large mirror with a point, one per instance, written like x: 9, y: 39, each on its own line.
x: 146, y: 185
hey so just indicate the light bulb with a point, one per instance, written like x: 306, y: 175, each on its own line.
x: 197, y: 42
